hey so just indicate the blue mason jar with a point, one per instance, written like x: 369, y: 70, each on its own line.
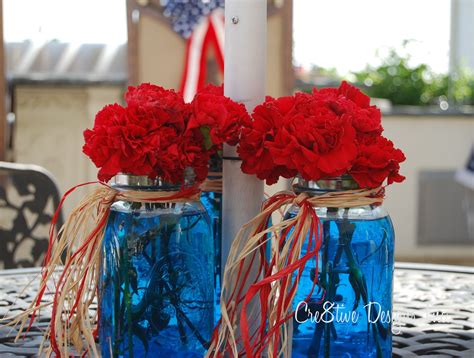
x: 156, y: 293
x: 349, y: 313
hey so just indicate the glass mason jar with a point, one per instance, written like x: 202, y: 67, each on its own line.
x: 349, y: 313
x: 156, y: 293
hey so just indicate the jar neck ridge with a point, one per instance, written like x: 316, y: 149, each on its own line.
x: 323, y: 186
x: 142, y: 182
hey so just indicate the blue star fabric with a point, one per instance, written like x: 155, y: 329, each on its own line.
x: 186, y: 14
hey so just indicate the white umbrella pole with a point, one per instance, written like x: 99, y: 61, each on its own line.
x: 244, y: 81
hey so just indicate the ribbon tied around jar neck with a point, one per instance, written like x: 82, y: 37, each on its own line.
x: 72, y: 265
x: 258, y: 286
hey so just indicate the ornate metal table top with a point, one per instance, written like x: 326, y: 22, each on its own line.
x: 433, y: 311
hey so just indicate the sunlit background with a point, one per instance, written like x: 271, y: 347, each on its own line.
x: 85, y: 21
x: 346, y: 36
x: 335, y: 34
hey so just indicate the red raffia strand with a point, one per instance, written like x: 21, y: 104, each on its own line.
x: 257, y: 291
x: 79, y: 242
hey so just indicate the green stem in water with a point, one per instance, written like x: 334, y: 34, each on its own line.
x: 346, y: 232
x: 327, y: 283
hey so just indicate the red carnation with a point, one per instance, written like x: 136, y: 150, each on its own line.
x: 353, y: 94
x: 119, y: 143
x: 376, y: 162
x: 347, y: 99
x: 152, y: 96
x: 195, y: 155
x: 368, y: 123
x: 317, y: 142
x: 217, y: 117
x: 261, y: 136
x: 154, y: 102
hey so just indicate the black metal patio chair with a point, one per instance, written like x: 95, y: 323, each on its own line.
x: 29, y: 197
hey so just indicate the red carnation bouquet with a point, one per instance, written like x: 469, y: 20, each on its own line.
x: 326, y: 137
x: 320, y: 135
x: 157, y: 134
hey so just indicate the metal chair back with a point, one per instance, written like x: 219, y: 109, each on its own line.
x: 29, y: 197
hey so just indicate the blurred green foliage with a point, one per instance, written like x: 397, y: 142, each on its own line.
x: 462, y: 86
x: 403, y: 84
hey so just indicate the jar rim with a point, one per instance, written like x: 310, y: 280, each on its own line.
x: 322, y: 186
x: 144, y: 182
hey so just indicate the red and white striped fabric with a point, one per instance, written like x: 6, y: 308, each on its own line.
x: 209, y: 32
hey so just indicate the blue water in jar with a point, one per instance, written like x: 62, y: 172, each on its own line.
x: 349, y: 312
x: 213, y: 204
x: 157, y: 281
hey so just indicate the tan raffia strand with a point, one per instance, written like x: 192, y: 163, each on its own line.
x: 213, y: 183
x: 252, y: 237
x: 79, y: 242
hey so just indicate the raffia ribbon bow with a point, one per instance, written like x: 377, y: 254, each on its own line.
x: 257, y: 290
x: 79, y: 242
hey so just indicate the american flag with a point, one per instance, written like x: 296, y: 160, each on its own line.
x: 201, y: 23
x: 186, y: 14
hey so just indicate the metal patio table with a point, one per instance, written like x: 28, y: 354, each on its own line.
x: 433, y: 311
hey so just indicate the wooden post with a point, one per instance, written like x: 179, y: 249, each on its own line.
x: 3, y: 120
x: 287, y: 48
x: 132, y: 43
